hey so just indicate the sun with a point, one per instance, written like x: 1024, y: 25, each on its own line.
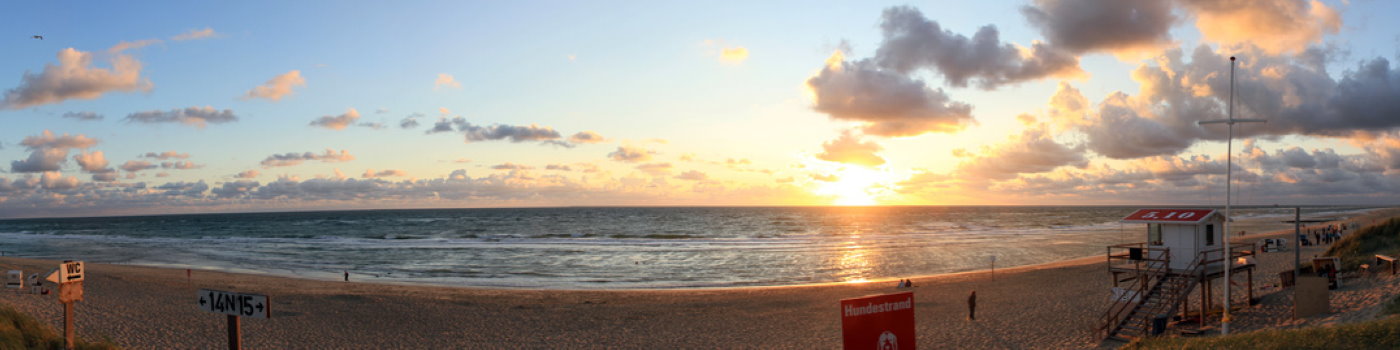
x: 855, y: 187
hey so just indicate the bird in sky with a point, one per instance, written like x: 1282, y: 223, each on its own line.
x: 40, y: 37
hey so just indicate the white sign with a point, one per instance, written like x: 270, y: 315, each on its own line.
x: 14, y: 279
x: 70, y: 271
x: 237, y: 304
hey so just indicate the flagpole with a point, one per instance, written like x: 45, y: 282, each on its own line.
x: 1229, y: 176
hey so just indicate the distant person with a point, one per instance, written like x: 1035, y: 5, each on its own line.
x: 347, y: 275
x: 972, y: 306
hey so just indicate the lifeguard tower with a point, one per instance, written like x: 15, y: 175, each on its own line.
x: 1154, y: 279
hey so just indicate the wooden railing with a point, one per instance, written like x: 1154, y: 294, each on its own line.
x: 1120, y: 256
x: 1209, y: 257
x: 1150, y: 268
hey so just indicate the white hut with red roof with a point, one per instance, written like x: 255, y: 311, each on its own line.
x: 1183, y: 250
x: 1182, y: 233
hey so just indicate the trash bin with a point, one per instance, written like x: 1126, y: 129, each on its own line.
x: 1159, y: 324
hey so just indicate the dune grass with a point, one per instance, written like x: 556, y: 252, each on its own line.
x: 19, y: 331
x: 1392, y: 307
x: 1378, y: 334
x: 1361, y: 247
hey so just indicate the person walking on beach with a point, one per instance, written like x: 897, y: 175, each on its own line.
x: 972, y: 306
x: 347, y: 275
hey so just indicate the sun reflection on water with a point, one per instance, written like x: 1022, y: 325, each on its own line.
x: 854, y: 265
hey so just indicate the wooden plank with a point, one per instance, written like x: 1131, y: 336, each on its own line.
x: 1310, y: 297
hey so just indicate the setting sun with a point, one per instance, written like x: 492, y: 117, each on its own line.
x: 856, y: 187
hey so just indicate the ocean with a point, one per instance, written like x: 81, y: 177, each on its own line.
x: 601, y: 247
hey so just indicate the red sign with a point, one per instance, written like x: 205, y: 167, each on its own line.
x: 883, y: 322
x: 1169, y: 215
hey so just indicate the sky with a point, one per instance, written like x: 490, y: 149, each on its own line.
x: 175, y: 107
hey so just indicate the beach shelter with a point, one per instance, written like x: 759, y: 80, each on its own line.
x: 1184, y: 232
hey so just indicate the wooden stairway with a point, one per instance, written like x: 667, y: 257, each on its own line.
x: 1163, y: 299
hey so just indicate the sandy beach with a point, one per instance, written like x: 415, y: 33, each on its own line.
x: 1049, y: 306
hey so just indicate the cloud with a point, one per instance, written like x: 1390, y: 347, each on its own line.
x: 1277, y: 26
x: 41, y: 160
x: 912, y: 42
x: 180, y: 165
x: 52, y: 180
x: 445, y: 125
x: 587, y: 137
x: 510, y: 166
x: 182, y: 189
x: 1033, y: 151
x: 446, y: 80
x: 105, y: 176
x: 631, y: 154
x: 166, y: 155
x: 235, y: 189
x: 92, y: 162
x: 193, y: 116
x: 48, y: 152
x: 889, y: 103
x: 1118, y: 26
x: 249, y: 174
x: 131, y: 45
x: 655, y: 169
x: 293, y: 158
x: 559, y: 167
x: 277, y: 87
x: 826, y: 178
x: 513, y: 133
x: 75, y: 78
x: 692, y: 175
x: 410, y: 121
x: 48, y: 140
x: 138, y: 165
x: 1126, y: 129
x: 83, y: 116
x: 195, y: 34
x: 338, y: 122
x: 27, y: 197
x: 370, y: 173
x: 850, y: 149
x: 733, y: 54
x: 1177, y: 90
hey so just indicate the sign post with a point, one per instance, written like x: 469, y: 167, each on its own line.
x: 69, y: 277
x: 993, y: 260
x: 878, y: 322
x: 234, y: 305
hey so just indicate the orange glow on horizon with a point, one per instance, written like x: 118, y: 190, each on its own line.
x: 856, y: 187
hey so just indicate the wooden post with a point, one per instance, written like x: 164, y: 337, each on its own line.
x: 1250, y: 285
x: 235, y: 333
x: 68, y: 326
x: 1208, y: 294
x: 1204, y: 288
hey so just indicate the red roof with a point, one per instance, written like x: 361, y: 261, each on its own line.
x: 1169, y: 216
